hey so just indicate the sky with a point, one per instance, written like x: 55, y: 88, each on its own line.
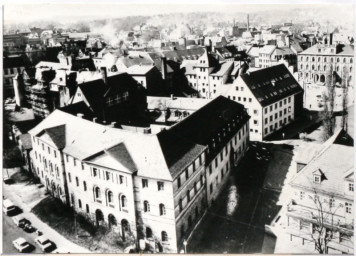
x: 18, y: 12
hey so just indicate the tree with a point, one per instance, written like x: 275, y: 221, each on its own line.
x: 327, y: 114
x: 345, y: 86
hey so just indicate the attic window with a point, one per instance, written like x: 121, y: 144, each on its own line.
x: 317, y: 178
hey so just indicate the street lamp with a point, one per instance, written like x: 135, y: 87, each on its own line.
x: 185, y: 245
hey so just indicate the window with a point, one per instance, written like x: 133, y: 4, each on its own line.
x: 331, y: 202
x: 317, y: 179
x: 180, y: 205
x: 266, y: 120
x: 74, y: 161
x: 186, y: 174
x: 81, y: 164
x: 97, y: 193
x: 164, y: 236
x: 87, y: 208
x: 95, y: 173
x: 271, y: 118
x: 221, y: 156
x: 42, y: 146
x: 69, y: 177
x: 146, y: 206
x: 67, y: 158
x: 49, y: 150
x: 301, y: 195
x: 123, y: 201
x: 178, y: 182
x: 110, y: 197
x: 107, y: 175
x: 162, y: 209
x: 238, y: 98
x: 348, y: 208
x: 211, y: 188
x: 255, y: 122
x: 351, y: 187
x: 121, y: 179
x: 144, y: 183
x: 85, y: 186
x: 188, y: 196
x: 77, y: 181
x: 160, y: 185
x: 237, y: 88
x: 249, y: 100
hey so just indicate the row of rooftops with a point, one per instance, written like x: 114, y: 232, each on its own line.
x: 160, y: 156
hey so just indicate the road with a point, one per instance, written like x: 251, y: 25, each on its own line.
x: 241, y: 230
x: 12, y: 232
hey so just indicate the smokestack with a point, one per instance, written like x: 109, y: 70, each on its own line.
x: 164, y: 67
x: 210, y: 45
x: 330, y: 39
x: 248, y: 22
x: 104, y: 74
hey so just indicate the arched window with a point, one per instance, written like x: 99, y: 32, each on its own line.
x: 338, y: 60
x: 77, y: 181
x: 325, y: 59
x: 162, y: 209
x: 146, y: 206
x: 180, y: 205
x: 318, y: 59
x: 344, y: 60
x: 307, y: 67
x: 57, y: 170
x: 337, y: 68
x: 164, y: 236
x: 80, y: 203
x: 324, y: 67
x: 301, y: 66
x: 307, y: 58
x: 85, y: 186
x: 313, y: 67
x: 301, y: 58
x: 318, y: 67
x: 97, y: 193
x: 123, y: 201
x: 313, y: 59
x: 110, y: 196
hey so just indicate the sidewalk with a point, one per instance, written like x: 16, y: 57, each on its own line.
x: 20, y: 194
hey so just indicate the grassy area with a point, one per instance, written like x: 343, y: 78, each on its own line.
x: 82, y: 231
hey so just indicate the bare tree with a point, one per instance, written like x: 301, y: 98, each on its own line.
x: 327, y: 114
x: 345, y: 86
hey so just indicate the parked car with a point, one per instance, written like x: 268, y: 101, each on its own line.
x: 8, y: 206
x: 44, y: 243
x: 20, y: 221
x: 21, y: 244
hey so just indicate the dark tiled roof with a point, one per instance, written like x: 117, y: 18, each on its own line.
x: 271, y: 84
x: 84, y: 63
x: 205, y: 123
x: 14, y: 62
x: 178, y: 151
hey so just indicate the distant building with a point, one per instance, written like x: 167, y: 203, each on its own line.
x: 314, y: 63
x: 324, y: 187
x: 131, y: 181
x: 272, y: 97
x: 12, y: 65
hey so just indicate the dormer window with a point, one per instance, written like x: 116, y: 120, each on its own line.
x: 317, y: 179
x: 351, y: 187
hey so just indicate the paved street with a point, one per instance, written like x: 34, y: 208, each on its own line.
x: 25, y: 196
x: 241, y: 230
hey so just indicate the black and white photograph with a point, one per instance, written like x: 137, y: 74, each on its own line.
x: 196, y: 127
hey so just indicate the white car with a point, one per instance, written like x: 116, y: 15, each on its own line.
x: 43, y: 242
x: 21, y: 244
x: 8, y: 206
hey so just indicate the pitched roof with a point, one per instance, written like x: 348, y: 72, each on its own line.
x: 176, y: 103
x: 14, y: 61
x: 342, y: 50
x: 271, y: 84
x: 26, y: 141
x: 333, y: 169
x: 139, y: 69
x: 222, y: 68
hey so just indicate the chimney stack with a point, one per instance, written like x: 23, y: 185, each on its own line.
x: 113, y: 124
x: 288, y: 41
x: 248, y: 22
x: 80, y: 115
x: 95, y: 120
x: 330, y: 39
x: 172, y: 96
x: 104, y: 74
x: 164, y: 67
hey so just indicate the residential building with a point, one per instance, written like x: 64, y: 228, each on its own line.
x: 12, y: 65
x: 322, y: 193
x: 271, y: 55
x: 141, y: 185
x: 272, y: 97
x: 314, y: 63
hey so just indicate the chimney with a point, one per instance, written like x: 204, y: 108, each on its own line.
x: 185, y: 42
x: 248, y: 22
x: 214, y: 144
x: 330, y: 39
x: 288, y: 41
x: 80, y: 115
x: 95, y: 120
x: 104, y: 74
x: 172, y: 96
x: 210, y: 45
x: 164, y: 67
x: 202, y: 42
x: 147, y: 131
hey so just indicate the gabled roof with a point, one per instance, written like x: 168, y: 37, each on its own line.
x: 139, y: 69
x: 207, y: 60
x: 335, y: 161
x: 222, y: 68
x: 271, y: 84
x: 347, y: 50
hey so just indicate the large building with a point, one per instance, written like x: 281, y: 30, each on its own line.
x: 322, y: 196
x: 272, y: 97
x: 314, y: 63
x: 153, y: 186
